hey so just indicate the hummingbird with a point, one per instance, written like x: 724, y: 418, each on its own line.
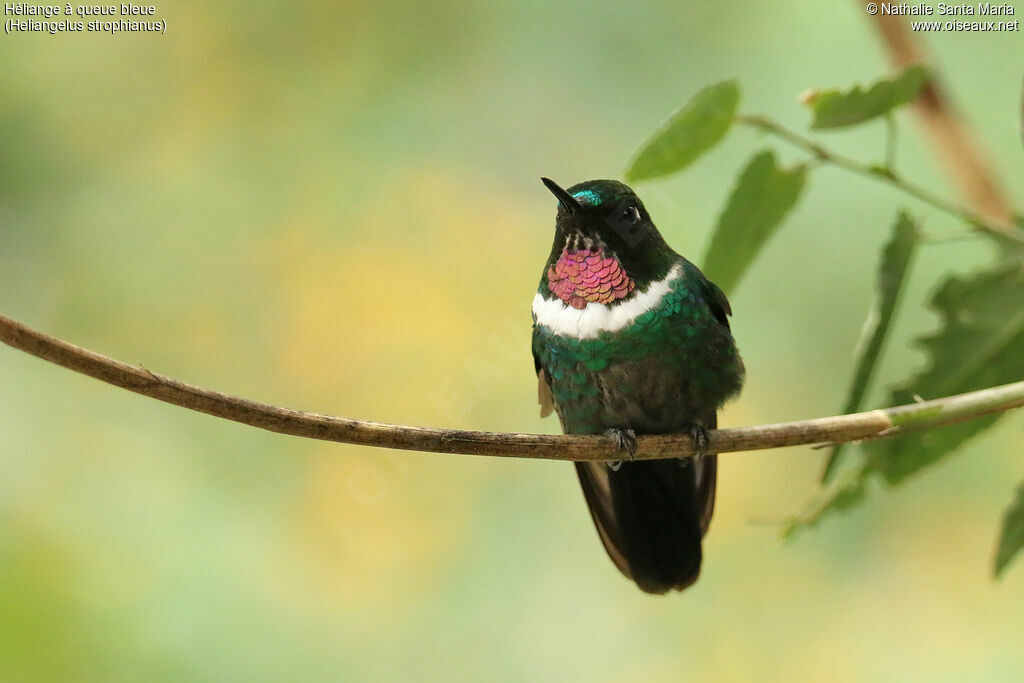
x: 631, y: 338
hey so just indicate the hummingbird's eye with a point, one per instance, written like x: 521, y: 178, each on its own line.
x: 631, y: 214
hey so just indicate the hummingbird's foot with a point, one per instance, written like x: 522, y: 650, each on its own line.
x: 625, y: 440
x: 700, y: 440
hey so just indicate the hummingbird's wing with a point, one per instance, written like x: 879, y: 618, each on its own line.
x: 597, y: 490
x: 706, y: 476
x: 544, y: 396
x: 706, y: 467
x: 717, y: 301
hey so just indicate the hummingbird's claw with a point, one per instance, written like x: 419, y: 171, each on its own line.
x: 700, y: 440
x: 625, y: 440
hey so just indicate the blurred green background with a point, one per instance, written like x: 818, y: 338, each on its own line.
x: 336, y: 207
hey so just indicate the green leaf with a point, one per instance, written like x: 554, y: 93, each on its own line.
x: 763, y: 195
x: 1010, y: 244
x: 693, y: 130
x: 892, y: 273
x: 837, y: 109
x: 980, y: 344
x: 1012, y: 538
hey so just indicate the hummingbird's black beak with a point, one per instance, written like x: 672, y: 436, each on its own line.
x: 567, y: 201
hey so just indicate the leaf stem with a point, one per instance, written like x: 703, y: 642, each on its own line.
x: 890, y: 141
x: 946, y: 238
x: 883, y: 173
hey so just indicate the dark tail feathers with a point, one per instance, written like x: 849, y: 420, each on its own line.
x: 651, y: 516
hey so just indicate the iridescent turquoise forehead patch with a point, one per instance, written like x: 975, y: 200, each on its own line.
x: 587, y: 197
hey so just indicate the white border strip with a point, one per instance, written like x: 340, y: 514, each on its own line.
x: 595, y: 318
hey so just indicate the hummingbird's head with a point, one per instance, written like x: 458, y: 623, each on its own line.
x: 605, y: 244
x: 601, y: 211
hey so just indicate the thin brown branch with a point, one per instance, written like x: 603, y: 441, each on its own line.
x: 886, y: 175
x: 959, y: 153
x: 871, y: 424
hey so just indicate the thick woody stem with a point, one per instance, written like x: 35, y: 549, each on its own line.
x: 959, y: 153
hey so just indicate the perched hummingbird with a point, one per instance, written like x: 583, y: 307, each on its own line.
x: 630, y: 338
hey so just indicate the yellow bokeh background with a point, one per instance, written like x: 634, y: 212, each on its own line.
x: 336, y: 207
